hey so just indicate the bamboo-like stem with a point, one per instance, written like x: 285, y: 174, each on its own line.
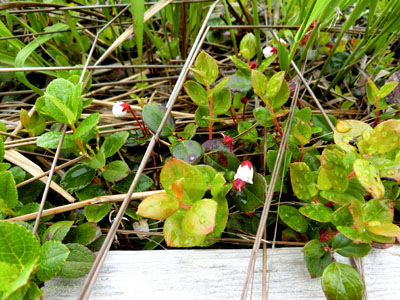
x: 81, y: 204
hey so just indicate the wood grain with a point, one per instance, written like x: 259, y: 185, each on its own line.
x: 219, y: 274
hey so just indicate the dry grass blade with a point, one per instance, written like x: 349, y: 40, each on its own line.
x: 24, y: 163
x: 81, y: 204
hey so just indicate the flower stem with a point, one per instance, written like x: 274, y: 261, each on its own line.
x: 142, y: 127
x: 233, y: 116
x: 276, y: 123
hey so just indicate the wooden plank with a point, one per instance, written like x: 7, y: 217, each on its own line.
x: 219, y: 274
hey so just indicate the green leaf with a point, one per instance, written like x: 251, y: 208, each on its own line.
x: 317, y: 265
x: 194, y: 186
x: 53, y: 255
x: 61, y: 89
x: 222, y: 161
x: 8, y: 189
x: 57, y: 231
x: 302, y: 132
x: 275, y: 84
x: 342, y: 217
x: 317, y: 212
x: 387, y: 89
x: 302, y: 180
x: 340, y: 281
x: 315, y: 248
x: 58, y: 110
x: 201, y: 113
x: 347, y: 131
x: 145, y: 182
x: 174, y: 234
x: 368, y: 176
x: 263, y: 116
x: 86, y: 233
x: 248, y: 46
x: 291, y: 217
x: 239, y: 63
x: 152, y: 116
x: 8, y: 273
x: 252, y: 196
x: 239, y: 83
x: 348, y: 248
x: 116, y: 170
x: 282, y: 96
x: 159, y: 206
x: 331, y: 161
x: 221, y: 101
x: 78, y: 263
x: 196, y: 92
x: 326, y: 132
x: 378, y: 210
x: 77, y: 178
x: 251, y: 136
x: 2, y: 150
x: 113, y: 143
x: 217, y: 184
x: 86, y: 125
x: 97, y: 161
x: 96, y: 212
x: 386, y: 136
x: 207, y: 66
x: 18, y: 246
x: 384, y: 228
x: 200, y: 218
x: 188, y: 151
x: 259, y: 83
x: 372, y: 92
x: 51, y: 140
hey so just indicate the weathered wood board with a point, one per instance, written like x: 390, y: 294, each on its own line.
x: 219, y: 274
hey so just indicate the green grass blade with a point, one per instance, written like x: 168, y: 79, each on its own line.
x: 137, y: 10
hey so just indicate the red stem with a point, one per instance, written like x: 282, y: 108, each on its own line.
x: 244, y: 111
x: 276, y: 124
x: 142, y: 128
x: 233, y: 115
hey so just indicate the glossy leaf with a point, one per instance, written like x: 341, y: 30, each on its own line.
x: 174, y: 234
x: 195, y: 185
x: 368, y: 176
x: 252, y: 196
x: 86, y: 233
x: 8, y: 189
x: 348, y: 248
x: 263, y: 116
x: 317, y: 265
x: 57, y: 231
x: 116, y: 170
x: 114, y: 142
x: 78, y: 263
x: 86, y: 125
x: 152, y: 116
x: 52, y: 139
x: 77, y: 178
x: 202, y: 112
x: 315, y: 248
x: 331, y: 161
x: 59, y: 111
x: 291, y: 217
x: 384, y: 228
x: 97, y: 161
x: 248, y: 46
x: 53, y: 255
x: 275, y: 84
x: 317, y: 212
x: 302, y: 133
x: 282, y: 97
x: 372, y: 92
x: 386, y: 136
x: 347, y: 131
x: 145, y: 182
x: 207, y: 66
x: 251, y: 136
x: 2, y: 150
x: 196, y: 92
x: 378, y: 210
x: 259, y: 82
x: 302, y: 181
x: 159, y: 206
x: 200, y: 218
x: 188, y: 151
x: 340, y: 281
x: 221, y: 101
x: 387, y: 88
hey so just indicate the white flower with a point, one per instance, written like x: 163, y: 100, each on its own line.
x: 119, y: 109
x: 245, y: 172
x: 269, y: 51
x: 141, y: 226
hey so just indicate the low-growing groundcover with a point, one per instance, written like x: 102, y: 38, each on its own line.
x: 208, y: 176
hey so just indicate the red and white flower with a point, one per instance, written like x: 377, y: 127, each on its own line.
x: 119, y: 109
x: 269, y: 51
x: 244, y: 174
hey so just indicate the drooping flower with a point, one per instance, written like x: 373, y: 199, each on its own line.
x: 244, y: 174
x: 143, y: 226
x: 253, y: 65
x: 228, y: 141
x: 119, y: 109
x: 269, y: 51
